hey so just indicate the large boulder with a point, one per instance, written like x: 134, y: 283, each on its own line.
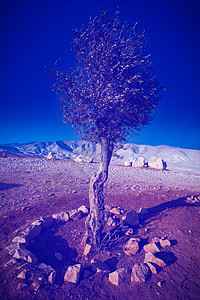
x: 139, y: 163
x: 140, y: 272
x: 157, y: 163
x: 117, y: 276
x: 132, y: 218
x: 131, y: 247
x: 73, y: 273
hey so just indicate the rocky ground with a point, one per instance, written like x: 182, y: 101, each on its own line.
x: 34, y: 188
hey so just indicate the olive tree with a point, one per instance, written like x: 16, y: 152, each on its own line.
x: 111, y: 92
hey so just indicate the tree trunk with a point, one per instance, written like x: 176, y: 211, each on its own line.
x: 95, y: 221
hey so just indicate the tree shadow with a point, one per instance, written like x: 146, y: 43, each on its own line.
x: 6, y: 186
x: 53, y: 250
x: 173, y: 204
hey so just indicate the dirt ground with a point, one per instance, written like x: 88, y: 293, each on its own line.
x: 34, y: 188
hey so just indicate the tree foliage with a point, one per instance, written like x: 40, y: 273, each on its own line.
x: 113, y: 89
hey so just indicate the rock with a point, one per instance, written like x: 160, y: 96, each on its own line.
x: 155, y: 240
x: 62, y: 216
x: 131, y: 247
x: 149, y: 257
x: 10, y: 263
x: 15, y: 246
x: 164, y: 243
x: 157, y: 163
x: 47, y: 222
x: 159, y: 283
x: 45, y: 268
x: 118, y: 276
x: 107, y: 207
x: 78, y: 216
x: 99, y: 266
x: 139, y: 163
x: 37, y: 223
x: 127, y: 163
x: 143, y: 211
x: 20, y: 239
x: 152, y: 267
x: 111, y: 222
x: 87, y: 249
x: 72, y: 212
x: 82, y: 158
x: 72, y: 274
x: 32, y: 231
x: 115, y: 211
x: 22, y: 275
x: 58, y: 256
x: 25, y: 255
x: 52, y: 277
x: 132, y: 218
x: 151, y: 247
x: 140, y: 272
x: 84, y: 209
x: 129, y: 232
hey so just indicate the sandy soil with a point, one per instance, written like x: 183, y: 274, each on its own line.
x: 34, y: 188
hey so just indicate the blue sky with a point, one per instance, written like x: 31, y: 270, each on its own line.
x: 36, y: 33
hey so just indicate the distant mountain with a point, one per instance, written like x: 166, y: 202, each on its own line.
x: 176, y: 158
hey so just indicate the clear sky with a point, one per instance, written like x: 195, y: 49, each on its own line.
x: 36, y: 33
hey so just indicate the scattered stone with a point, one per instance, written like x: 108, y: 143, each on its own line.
x: 87, y: 249
x: 22, y: 275
x: 127, y: 163
x: 165, y: 243
x: 143, y: 210
x: 131, y: 247
x: 149, y: 257
x: 72, y: 274
x: 132, y: 218
x: 118, y: 276
x: 140, y: 272
x: 151, y: 247
x: 47, y: 222
x: 58, y: 256
x: 157, y: 163
x: 32, y: 231
x: 62, y: 216
x: 52, y: 277
x: 25, y: 255
x: 139, y: 163
x: 159, y: 283
x: 115, y: 211
x: 129, y: 232
x: 84, y: 209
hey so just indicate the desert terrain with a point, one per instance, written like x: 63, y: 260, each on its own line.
x: 35, y: 187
